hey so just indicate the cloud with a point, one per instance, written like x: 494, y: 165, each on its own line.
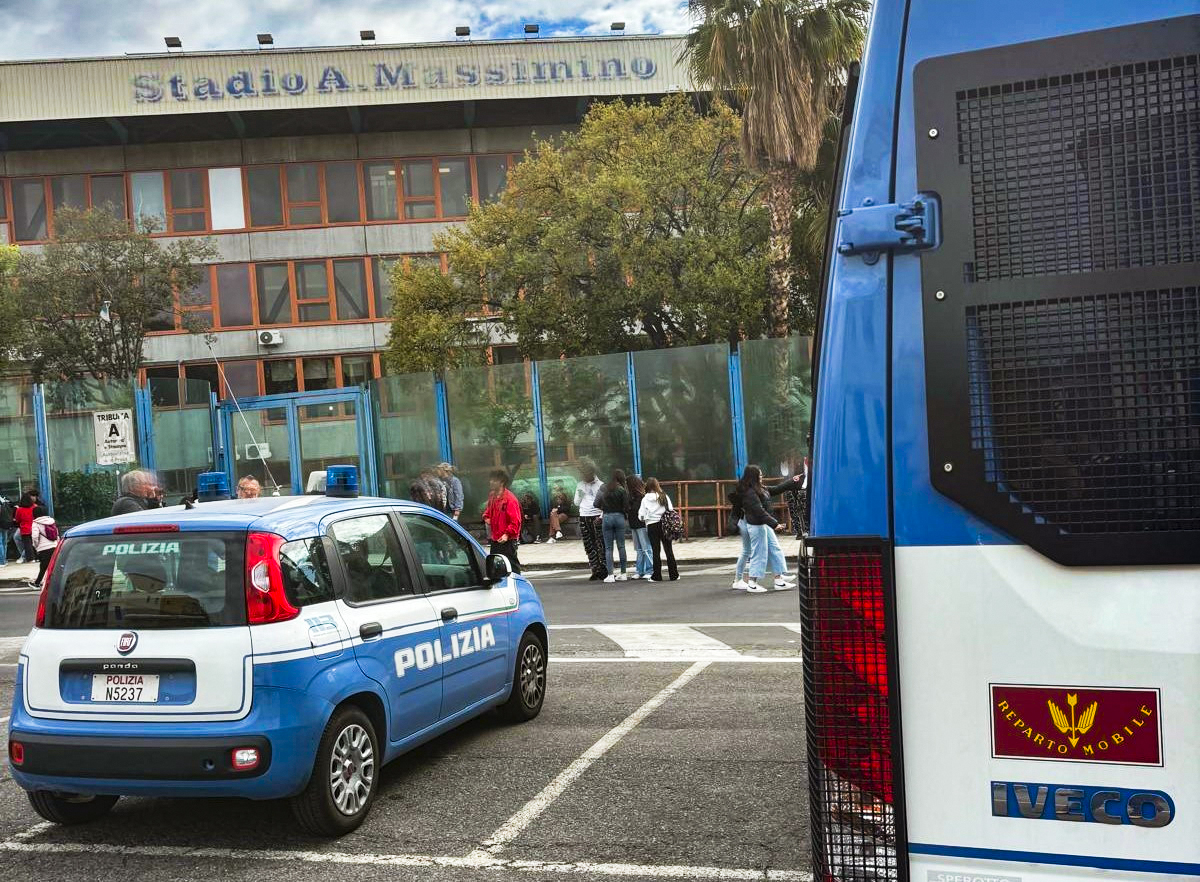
x: 68, y: 28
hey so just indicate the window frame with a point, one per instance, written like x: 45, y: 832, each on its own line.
x: 259, y: 320
x: 278, y: 166
x: 319, y: 203
x: 417, y: 584
x: 168, y: 196
x: 327, y: 301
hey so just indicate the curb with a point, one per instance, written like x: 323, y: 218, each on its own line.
x: 577, y: 565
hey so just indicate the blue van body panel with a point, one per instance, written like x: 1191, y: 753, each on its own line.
x: 850, y: 449
x: 922, y: 516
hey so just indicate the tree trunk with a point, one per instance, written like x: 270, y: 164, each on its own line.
x: 779, y: 248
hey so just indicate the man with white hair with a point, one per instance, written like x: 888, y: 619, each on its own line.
x: 139, y: 491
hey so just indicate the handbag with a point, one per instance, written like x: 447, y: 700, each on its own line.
x: 672, y: 523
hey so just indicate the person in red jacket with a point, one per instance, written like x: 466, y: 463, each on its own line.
x: 23, y: 517
x: 503, y: 518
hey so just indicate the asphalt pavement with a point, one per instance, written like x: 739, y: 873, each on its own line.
x: 671, y: 746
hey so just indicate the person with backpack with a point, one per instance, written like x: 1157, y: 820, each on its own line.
x: 23, y: 517
x: 614, y: 503
x: 44, y: 536
x: 655, y: 505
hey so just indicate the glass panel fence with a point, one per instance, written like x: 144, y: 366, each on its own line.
x: 491, y: 427
x: 776, y: 377
x: 406, y: 430
x: 182, y: 434
x: 18, y: 440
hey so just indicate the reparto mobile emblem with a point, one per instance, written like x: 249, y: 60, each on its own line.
x: 1072, y: 729
x: 1097, y: 724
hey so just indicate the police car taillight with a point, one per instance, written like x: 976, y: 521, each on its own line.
x: 851, y: 706
x: 16, y: 753
x: 266, y: 600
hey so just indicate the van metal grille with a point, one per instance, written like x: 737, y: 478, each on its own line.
x: 1087, y: 409
x: 1083, y: 172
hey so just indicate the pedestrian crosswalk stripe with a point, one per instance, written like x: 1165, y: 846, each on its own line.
x: 665, y: 641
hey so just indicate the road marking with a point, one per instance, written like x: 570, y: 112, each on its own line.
x: 31, y: 832
x: 665, y: 641
x: 791, y: 626
x: 514, y: 826
x: 9, y: 643
x: 679, y: 659
x: 483, y: 862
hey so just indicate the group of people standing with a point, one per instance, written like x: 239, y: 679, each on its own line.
x: 608, y: 510
x: 439, y: 487
x: 32, y: 530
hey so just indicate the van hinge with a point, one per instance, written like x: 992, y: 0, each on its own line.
x: 904, y: 226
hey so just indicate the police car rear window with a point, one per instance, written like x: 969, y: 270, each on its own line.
x: 178, y: 580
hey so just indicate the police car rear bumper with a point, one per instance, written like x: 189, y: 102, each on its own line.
x: 130, y: 759
x: 179, y: 759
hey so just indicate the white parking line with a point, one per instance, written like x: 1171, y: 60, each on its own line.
x: 667, y: 658
x: 514, y: 826
x: 483, y: 862
x: 791, y: 626
x: 666, y: 641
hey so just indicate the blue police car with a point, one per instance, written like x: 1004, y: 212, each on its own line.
x: 265, y: 648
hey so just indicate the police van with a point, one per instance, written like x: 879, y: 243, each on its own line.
x: 266, y: 648
x: 1002, y: 611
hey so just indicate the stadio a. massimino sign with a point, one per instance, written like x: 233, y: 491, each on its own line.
x: 268, y: 82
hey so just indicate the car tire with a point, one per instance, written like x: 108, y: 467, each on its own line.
x: 70, y: 808
x: 345, y: 776
x: 529, y: 681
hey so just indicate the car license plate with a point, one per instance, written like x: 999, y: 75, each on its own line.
x: 125, y: 688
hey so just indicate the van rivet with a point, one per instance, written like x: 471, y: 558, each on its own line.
x: 948, y: 467
x: 933, y: 133
x: 940, y: 295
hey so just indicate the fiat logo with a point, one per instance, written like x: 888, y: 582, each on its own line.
x: 126, y: 643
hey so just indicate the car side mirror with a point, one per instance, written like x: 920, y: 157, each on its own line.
x: 498, y: 568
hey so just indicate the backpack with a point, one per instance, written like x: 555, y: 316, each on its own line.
x: 672, y: 523
x: 7, y: 520
x: 50, y: 531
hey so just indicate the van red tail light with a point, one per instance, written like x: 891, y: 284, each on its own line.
x: 266, y: 600
x: 39, y: 620
x: 851, y: 702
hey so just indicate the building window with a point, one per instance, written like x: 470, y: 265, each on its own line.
x: 418, y: 189
x: 312, y: 291
x: 303, y: 194
x: 149, y: 202
x: 341, y: 192
x: 274, y: 294
x: 279, y: 377
x: 266, y: 196
x: 233, y: 295
x: 69, y: 191
x: 492, y: 172
x: 357, y: 370
x: 454, y: 184
x: 226, y: 198
x: 380, y: 180
x: 163, y: 383
x: 29, y: 209
x: 506, y: 355
x: 108, y: 194
x: 350, y: 281
x: 189, y: 201
x: 199, y: 379
x: 381, y: 272
x: 241, y: 378
x: 196, y: 305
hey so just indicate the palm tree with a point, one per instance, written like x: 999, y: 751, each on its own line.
x: 782, y: 60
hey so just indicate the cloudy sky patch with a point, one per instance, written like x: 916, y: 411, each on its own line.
x: 66, y: 28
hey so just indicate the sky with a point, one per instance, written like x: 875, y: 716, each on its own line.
x: 65, y: 28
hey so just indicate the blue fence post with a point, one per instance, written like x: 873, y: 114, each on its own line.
x: 143, y: 407
x: 297, y: 462
x: 737, y: 413
x: 366, y: 424
x: 217, y: 433
x: 539, y: 435
x: 43, y: 445
x: 443, y: 418
x: 631, y: 379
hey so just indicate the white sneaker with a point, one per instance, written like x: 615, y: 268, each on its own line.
x: 740, y: 585
x: 551, y: 541
x: 558, y: 534
x: 622, y: 577
x: 648, y: 577
x: 783, y: 585
x: 753, y: 587
x: 609, y: 579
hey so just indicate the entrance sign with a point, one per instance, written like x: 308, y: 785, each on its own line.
x: 114, y: 437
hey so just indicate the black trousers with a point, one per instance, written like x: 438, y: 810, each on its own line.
x: 43, y: 558
x: 660, y: 544
x: 593, y: 544
x: 509, y: 550
x: 26, y: 549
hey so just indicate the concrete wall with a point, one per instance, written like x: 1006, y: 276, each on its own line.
x: 340, y: 339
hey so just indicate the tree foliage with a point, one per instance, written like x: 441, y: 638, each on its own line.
x: 643, y: 228
x: 97, y: 259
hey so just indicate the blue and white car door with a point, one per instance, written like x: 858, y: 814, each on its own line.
x: 393, y: 625
x: 476, y: 644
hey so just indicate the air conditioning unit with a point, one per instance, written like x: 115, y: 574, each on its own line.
x: 258, y: 451
x: 270, y: 338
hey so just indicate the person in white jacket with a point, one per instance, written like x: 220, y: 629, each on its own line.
x: 590, y: 529
x: 654, y: 505
x: 45, y: 540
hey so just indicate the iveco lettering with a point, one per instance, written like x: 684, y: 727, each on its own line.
x: 283, y: 647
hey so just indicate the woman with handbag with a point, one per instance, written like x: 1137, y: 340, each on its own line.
x: 655, y: 507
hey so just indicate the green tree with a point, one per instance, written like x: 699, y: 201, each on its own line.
x: 86, y: 298
x: 644, y: 227
x: 782, y: 61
